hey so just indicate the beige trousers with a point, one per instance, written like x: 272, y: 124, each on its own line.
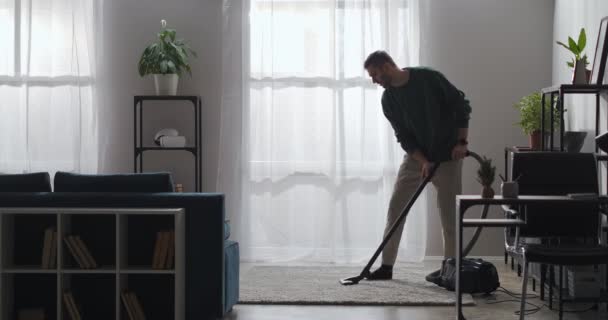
x: 448, y: 183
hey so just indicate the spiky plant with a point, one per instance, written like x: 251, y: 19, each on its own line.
x: 486, y: 172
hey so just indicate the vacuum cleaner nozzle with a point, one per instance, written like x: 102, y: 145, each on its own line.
x: 351, y: 280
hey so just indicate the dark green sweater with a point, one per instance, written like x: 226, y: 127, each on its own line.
x: 426, y: 113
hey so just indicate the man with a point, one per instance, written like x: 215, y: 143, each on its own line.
x: 430, y: 118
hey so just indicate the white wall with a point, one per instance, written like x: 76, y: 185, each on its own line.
x: 128, y: 27
x: 496, y: 51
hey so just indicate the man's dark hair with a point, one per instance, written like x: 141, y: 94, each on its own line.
x: 378, y: 59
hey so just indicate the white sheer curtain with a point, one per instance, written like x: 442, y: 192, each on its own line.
x: 47, y: 72
x: 307, y: 159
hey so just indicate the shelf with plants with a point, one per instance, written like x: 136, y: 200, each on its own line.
x: 72, y: 264
x: 584, y: 81
x: 167, y: 60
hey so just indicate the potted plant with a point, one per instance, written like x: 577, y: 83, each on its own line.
x: 167, y: 59
x: 485, y: 175
x: 530, y: 118
x: 579, y: 62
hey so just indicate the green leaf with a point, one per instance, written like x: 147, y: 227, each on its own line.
x: 564, y: 45
x: 582, y: 40
x: 573, y: 47
x: 570, y: 64
x: 171, y: 65
x: 171, y: 33
x: 166, y: 55
x: 530, y: 110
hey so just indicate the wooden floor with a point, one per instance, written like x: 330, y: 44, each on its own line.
x: 482, y: 310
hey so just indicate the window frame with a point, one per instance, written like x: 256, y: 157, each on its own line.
x: 18, y: 79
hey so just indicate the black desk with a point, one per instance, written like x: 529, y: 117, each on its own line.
x: 464, y: 202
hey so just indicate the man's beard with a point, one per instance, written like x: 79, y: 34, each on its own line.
x: 385, y: 81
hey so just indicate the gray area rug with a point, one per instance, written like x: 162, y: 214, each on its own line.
x: 314, y: 285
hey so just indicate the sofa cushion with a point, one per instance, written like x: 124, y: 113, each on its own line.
x: 126, y: 182
x: 26, y: 182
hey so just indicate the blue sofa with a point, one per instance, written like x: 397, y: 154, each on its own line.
x: 212, y: 260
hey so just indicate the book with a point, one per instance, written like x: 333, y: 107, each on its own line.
x: 73, y: 251
x: 170, y: 250
x: 68, y: 300
x: 164, y: 247
x: 87, y: 253
x: 80, y: 252
x: 53, y: 253
x: 139, y: 311
x: 46, y: 248
x: 156, y: 257
x: 126, y: 301
x: 31, y: 314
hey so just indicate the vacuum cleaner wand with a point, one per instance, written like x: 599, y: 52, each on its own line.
x: 366, y: 271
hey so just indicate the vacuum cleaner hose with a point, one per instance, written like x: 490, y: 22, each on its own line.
x: 484, y: 213
x: 366, y: 271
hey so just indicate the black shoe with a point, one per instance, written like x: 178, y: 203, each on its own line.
x: 382, y: 273
x: 434, y: 276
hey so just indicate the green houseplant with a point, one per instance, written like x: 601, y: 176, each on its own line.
x: 167, y: 59
x: 486, y: 175
x: 579, y: 61
x: 530, y: 118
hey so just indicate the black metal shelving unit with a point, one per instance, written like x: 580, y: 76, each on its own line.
x: 139, y: 149
x: 560, y: 91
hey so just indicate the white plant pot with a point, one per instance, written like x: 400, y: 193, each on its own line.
x: 166, y: 84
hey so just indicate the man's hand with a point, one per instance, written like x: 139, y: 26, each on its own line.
x: 459, y: 152
x: 426, y: 169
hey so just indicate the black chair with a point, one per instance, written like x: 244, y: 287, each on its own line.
x: 570, y: 232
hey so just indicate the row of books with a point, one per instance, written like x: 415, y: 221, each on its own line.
x: 164, y: 250
x: 163, y: 256
x: 132, y: 305
x: 75, y: 245
x: 80, y: 252
x: 130, y: 301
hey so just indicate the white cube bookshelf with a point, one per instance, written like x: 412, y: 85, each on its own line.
x: 122, y: 242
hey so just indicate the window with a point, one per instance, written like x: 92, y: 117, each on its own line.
x: 46, y: 84
x: 319, y: 158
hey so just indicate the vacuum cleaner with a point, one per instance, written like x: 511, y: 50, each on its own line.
x: 366, y: 271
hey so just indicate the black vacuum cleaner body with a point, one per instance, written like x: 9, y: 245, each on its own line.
x: 482, y: 274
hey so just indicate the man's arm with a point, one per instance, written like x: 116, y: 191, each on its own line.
x: 455, y: 101
x: 461, y: 148
x: 463, y: 134
x: 461, y: 109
